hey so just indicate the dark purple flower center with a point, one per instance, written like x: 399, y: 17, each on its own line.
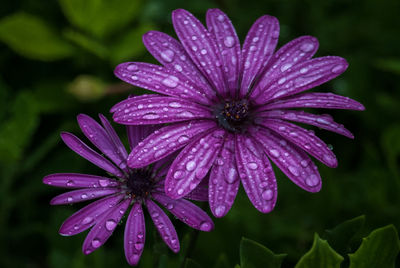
x: 233, y: 115
x: 140, y: 182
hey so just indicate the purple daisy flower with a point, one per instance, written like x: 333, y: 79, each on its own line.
x: 128, y: 187
x: 228, y: 108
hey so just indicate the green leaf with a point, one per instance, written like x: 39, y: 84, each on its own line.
x: 341, y: 236
x: 222, y: 262
x: 379, y: 249
x: 189, y: 263
x: 31, y: 37
x: 391, y: 65
x: 87, y: 43
x: 254, y: 255
x: 320, y: 255
x: 391, y: 145
x: 100, y: 17
x: 130, y: 45
x: 19, y: 127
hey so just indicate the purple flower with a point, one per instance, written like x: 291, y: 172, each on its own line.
x: 228, y: 108
x: 136, y: 187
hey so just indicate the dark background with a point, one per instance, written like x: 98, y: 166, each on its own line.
x: 57, y: 60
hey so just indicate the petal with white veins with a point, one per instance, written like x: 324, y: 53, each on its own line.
x: 134, y: 235
x: 76, y: 180
x: 82, y: 195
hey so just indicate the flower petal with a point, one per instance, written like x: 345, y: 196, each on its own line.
x: 201, y: 48
x: 292, y: 161
x: 224, y: 180
x: 158, y: 110
x: 193, y: 164
x: 101, y: 139
x: 134, y: 236
x: 304, y: 139
x: 137, y: 133
x: 88, y: 216
x: 200, y: 193
x: 165, y: 141
x: 187, y: 212
x: 258, y: 48
x: 324, y: 121
x: 100, y: 233
x: 220, y: 26
x: 169, y: 52
x: 76, y: 180
x: 294, y: 52
x: 113, y: 136
x: 82, y: 195
x: 163, y: 225
x: 301, y: 77
x: 315, y: 100
x: 89, y: 154
x: 162, y: 80
x: 256, y: 174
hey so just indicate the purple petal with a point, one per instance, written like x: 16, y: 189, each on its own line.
x: 322, y: 121
x: 75, y: 180
x: 315, y: 100
x: 158, y: 110
x: 164, y: 226
x: 187, y: 212
x: 113, y: 136
x: 134, y: 236
x: 301, y: 77
x: 89, y: 154
x: 137, y: 133
x: 304, y: 139
x: 193, y: 164
x: 201, y: 47
x: 162, y: 80
x: 224, y: 180
x: 166, y: 141
x: 292, y: 161
x: 171, y: 54
x: 200, y: 193
x: 256, y: 174
x: 88, y: 216
x: 82, y: 195
x: 221, y: 28
x: 99, y: 234
x: 294, y: 52
x: 257, y: 50
x: 101, y: 139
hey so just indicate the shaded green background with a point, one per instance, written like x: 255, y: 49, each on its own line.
x: 57, y: 60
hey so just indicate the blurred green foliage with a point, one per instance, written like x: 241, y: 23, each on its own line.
x: 57, y: 61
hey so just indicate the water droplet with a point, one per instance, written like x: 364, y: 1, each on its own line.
x: 255, y: 39
x: 167, y: 55
x: 231, y: 175
x: 191, y: 165
x: 178, y: 68
x: 174, y: 104
x: 194, y: 38
x: 84, y: 196
x: 140, y: 235
x: 219, y: 161
x: 220, y: 210
x: 139, y: 246
x: 183, y: 139
x: 132, y: 67
x: 330, y: 146
x: 70, y: 183
x: 294, y: 170
x: 282, y: 80
x: 96, y: 243
x: 180, y: 191
x: 170, y: 206
x: 160, y: 152
x: 304, y: 163
x: 170, y: 81
x: 194, y: 48
x: 201, y: 173
x: 70, y: 199
x: 252, y: 165
x: 285, y: 66
x: 150, y: 116
x: 274, y: 152
x: 220, y: 18
x: 111, y: 224
x: 303, y: 70
x: 203, y: 52
x: 327, y: 158
x: 205, y: 226
x: 229, y: 41
x: 140, y: 106
x: 87, y: 220
x: 337, y: 69
x: 312, y: 181
x: 134, y: 77
x: 267, y: 194
x: 179, y: 174
x: 307, y: 47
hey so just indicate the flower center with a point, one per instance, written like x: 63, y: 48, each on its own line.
x: 140, y: 183
x: 233, y: 115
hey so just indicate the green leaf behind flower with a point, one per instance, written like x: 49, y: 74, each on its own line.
x: 254, y: 255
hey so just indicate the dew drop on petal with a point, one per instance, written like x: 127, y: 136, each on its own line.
x: 174, y: 104
x: 180, y: 191
x: 285, y: 66
x: 179, y: 174
x: 69, y: 199
x: 337, y: 69
x: 110, y: 225
x: 103, y: 183
x: 220, y: 18
x: 282, y: 80
x: 183, y: 139
x: 87, y: 220
x: 191, y: 165
x: 132, y: 67
x: 170, y: 81
x: 205, y: 226
x: 312, y: 180
x: 167, y: 55
x: 70, y: 183
x: 303, y: 70
x: 150, y: 116
x: 203, y: 52
x: 304, y: 163
x: 229, y: 41
x: 252, y: 165
x: 220, y: 210
x: 170, y: 206
x: 274, y: 152
x: 96, y: 243
x: 294, y: 170
x: 307, y: 47
x: 139, y: 245
x: 231, y: 175
x: 267, y: 194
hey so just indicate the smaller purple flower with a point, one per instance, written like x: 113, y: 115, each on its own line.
x: 125, y: 188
